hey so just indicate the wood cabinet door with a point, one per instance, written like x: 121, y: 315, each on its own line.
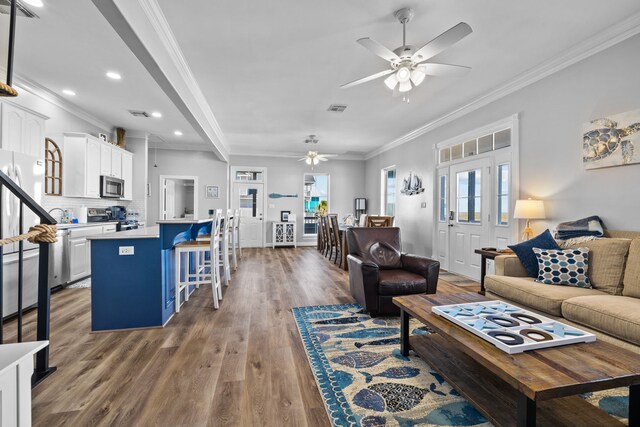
x: 12, y: 127
x: 33, y: 142
x: 79, y: 259
x: 116, y: 163
x: 105, y: 160
x: 93, y: 169
x: 127, y: 176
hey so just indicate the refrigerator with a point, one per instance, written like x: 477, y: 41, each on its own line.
x: 28, y: 173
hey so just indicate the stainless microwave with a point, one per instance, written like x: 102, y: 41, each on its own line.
x: 110, y: 187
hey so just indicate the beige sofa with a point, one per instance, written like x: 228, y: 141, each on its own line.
x: 611, y: 310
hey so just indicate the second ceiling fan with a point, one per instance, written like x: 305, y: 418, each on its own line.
x: 407, y: 65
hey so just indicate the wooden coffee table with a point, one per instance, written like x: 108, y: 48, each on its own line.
x: 520, y: 389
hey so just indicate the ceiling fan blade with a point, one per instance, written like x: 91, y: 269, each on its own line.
x: 304, y: 158
x: 443, y: 41
x: 329, y: 155
x: 434, y: 69
x: 367, y: 79
x: 378, y: 49
x: 322, y: 159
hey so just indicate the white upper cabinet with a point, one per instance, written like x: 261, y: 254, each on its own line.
x: 116, y: 163
x: 86, y: 158
x: 22, y: 131
x: 127, y: 175
x: 105, y: 160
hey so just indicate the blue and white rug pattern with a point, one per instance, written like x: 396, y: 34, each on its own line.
x: 365, y: 381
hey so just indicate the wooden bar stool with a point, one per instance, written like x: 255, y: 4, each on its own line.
x: 224, y: 252
x: 191, y: 269
x: 232, y: 238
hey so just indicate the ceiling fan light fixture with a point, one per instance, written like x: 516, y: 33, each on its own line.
x: 405, y: 86
x: 403, y: 75
x: 308, y: 160
x: 417, y: 77
x: 391, y: 81
x: 315, y: 161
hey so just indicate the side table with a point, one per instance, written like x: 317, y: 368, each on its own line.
x: 485, y: 254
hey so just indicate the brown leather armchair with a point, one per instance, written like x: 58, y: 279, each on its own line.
x: 378, y: 270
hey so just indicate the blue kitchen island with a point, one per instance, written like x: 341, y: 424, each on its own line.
x: 132, y: 276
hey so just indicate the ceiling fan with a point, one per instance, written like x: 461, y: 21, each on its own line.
x: 313, y: 158
x: 407, y: 66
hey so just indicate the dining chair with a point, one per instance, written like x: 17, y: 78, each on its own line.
x: 379, y: 221
x: 337, y: 242
x: 236, y: 224
x: 320, y: 245
x: 327, y: 237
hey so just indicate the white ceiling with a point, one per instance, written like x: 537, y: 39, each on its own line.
x: 72, y: 46
x: 269, y: 70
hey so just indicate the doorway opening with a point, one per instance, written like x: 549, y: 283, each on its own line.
x: 476, y: 184
x: 178, y: 197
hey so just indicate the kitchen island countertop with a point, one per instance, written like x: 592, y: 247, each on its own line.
x: 152, y: 232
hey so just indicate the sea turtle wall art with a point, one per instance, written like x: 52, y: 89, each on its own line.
x: 612, y: 141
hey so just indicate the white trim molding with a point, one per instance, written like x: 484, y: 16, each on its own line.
x: 589, y: 47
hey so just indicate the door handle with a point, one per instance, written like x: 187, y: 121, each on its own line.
x: 450, y: 225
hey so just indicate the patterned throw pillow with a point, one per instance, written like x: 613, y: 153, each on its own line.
x: 563, y: 267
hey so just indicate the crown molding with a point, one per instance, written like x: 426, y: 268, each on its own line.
x: 159, y: 22
x: 52, y: 98
x: 295, y: 155
x: 591, y: 46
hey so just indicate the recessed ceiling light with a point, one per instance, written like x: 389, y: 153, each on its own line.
x: 156, y: 114
x: 177, y: 133
x: 113, y: 75
x: 68, y: 92
x: 34, y: 3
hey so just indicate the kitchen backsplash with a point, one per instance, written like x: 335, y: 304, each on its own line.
x: 75, y: 204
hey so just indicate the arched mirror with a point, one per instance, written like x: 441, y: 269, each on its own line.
x: 52, y: 168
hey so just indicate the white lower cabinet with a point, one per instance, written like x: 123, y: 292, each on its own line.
x: 283, y: 234
x: 79, y: 258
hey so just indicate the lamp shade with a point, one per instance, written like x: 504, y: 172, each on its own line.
x: 529, y: 209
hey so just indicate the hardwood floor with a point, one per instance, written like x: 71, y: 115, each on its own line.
x: 243, y: 365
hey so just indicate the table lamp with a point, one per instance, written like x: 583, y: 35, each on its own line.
x: 529, y: 209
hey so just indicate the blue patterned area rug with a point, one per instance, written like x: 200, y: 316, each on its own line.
x: 365, y: 381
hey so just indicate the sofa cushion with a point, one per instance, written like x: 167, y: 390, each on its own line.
x: 529, y: 293
x: 400, y: 282
x: 524, y: 251
x: 632, y: 272
x: 385, y: 256
x: 607, y: 258
x: 618, y: 316
x: 563, y: 267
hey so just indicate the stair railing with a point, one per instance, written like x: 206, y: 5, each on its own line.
x: 43, y: 235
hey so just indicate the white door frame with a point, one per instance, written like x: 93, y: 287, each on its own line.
x: 511, y: 122
x: 161, y: 195
x: 265, y: 196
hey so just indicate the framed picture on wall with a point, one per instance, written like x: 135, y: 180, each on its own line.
x: 212, y: 192
x: 284, y: 216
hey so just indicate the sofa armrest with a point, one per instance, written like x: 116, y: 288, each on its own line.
x: 425, y: 267
x: 363, y: 282
x: 509, y: 265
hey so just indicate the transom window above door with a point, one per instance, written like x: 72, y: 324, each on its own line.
x: 473, y: 147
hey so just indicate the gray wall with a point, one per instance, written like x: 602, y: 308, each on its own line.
x: 285, y: 176
x: 203, y: 165
x: 552, y: 112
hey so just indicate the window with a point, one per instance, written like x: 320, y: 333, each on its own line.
x: 53, y: 168
x: 484, y: 144
x: 503, y: 195
x: 443, y: 198
x: 389, y: 191
x: 470, y: 196
x: 248, y: 176
x: 316, y: 199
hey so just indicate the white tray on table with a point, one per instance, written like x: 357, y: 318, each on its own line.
x: 511, y: 324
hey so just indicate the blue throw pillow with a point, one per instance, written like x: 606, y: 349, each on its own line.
x: 526, y: 255
x: 563, y: 267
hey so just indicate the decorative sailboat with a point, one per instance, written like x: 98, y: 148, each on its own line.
x: 412, y: 185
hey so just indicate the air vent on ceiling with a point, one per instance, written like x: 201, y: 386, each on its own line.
x: 22, y: 10
x: 311, y: 140
x: 135, y: 113
x: 337, y: 108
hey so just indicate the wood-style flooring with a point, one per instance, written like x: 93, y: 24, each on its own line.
x: 242, y: 365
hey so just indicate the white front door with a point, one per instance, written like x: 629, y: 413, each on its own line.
x: 470, y: 215
x: 249, y: 198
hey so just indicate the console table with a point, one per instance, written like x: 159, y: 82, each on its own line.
x: 283, y: 234
x: 485, y: 254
